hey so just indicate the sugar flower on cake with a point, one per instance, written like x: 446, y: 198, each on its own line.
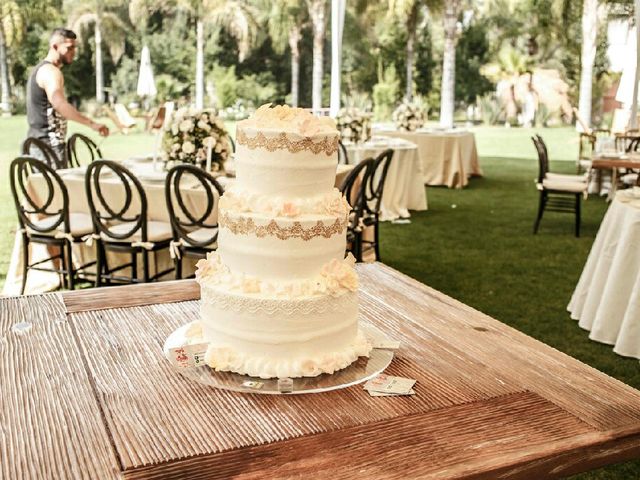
x: 340, y: 275
x: 250, y: 285
x: 410, y: 115
x: 336, y: 204
x: 289, y: 209
x: 210, y: 267
x: 287, y: 119
x: 191, y: 134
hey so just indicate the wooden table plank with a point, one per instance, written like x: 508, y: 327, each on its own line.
x: 589, y: 394
x: 50, y: 421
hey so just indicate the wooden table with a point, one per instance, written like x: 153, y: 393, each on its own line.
x: 613, y: 164
x: 88, y: 393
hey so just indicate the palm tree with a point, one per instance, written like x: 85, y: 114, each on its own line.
x: 11, y: 30
x: 447, y: 100
x: 82, y: 15
x: 588, y: 56
x: 235, y: 16
x: 318, y: 14
x: 285, y: 21
x: 409, y: 12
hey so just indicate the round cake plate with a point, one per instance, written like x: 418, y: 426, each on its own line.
x: 361, y: 370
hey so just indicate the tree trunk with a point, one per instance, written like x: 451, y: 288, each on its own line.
x: 412, y: 25
x: 317, y: 12
x: 410, y: 43
x: 589, y: 32
x: 199, y: 64
x: 447, y: 101
x: 5, y: 100
x: 99, y: 74
x: 294, y: 43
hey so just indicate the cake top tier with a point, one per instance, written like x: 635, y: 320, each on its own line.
x: 283, y: 118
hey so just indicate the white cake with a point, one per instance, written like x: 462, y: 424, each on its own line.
x: 278, y: 298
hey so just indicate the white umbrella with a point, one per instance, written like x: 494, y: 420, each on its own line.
x: 146, y: 84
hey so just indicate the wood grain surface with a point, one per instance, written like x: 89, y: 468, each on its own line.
x: 490, y: 402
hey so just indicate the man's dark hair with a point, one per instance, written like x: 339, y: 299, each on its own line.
x: 64, y: 33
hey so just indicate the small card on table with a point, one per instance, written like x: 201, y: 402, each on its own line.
x: 188, y: 355
x: 387, y: 385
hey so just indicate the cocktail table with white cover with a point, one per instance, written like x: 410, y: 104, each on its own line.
x: 606, y: 300
x: 449, y: 157
x: 403, y: 189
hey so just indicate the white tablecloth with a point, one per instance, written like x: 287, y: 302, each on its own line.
x: 403, y: 189
x: 448, y: 157
x: 606, y: 300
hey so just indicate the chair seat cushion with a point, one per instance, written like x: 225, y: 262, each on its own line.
x: 564, y: 186
x: 202, y: 235
x: 79, y: 224
x: 560, y: 177
x: 629, y: 178
x: 156, y: 232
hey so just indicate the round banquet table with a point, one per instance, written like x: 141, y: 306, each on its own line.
x: 403, y: 189
x: 606, y: 300
x: 448, y: 157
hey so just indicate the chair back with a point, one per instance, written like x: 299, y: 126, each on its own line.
x: 343, y: 157
x: 627, y: 143
x: 49, y: 156
x: 232, y: 143
x: 183, y: 219
x: 43, y: 205
x: 107, y: 211
x: 377, y: 179
x: 543, y: 159
x: 79, y: 147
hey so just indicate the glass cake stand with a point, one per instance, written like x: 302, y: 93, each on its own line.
x: 359, y: 371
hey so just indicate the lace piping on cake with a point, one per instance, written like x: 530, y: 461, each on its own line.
x: 271, y: 306
x: 246, y: 226
x: 226, y: 359
x: 328, y: 145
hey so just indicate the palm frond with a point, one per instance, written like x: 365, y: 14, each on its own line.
x: 13, y: 25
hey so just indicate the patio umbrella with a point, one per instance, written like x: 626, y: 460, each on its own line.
x: 146, y: 84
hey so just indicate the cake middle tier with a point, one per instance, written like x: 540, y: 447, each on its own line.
x: 280, y: 248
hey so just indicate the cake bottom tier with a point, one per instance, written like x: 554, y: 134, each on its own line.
x: 271, y: 338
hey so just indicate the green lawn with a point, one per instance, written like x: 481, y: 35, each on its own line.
x: 473, y: 244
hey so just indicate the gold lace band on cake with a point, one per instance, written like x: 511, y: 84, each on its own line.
x: 328, y: 145
x: 246, y: 226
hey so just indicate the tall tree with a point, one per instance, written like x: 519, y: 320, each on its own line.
x: 286, y: 20
x: 11, y: 30
x: 318, y: 14
x: 98, y: 13
x: 447, y: 101
x: 589, y: 32
x: 237, y: 17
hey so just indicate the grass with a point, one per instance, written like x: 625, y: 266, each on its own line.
x: 473, y: 244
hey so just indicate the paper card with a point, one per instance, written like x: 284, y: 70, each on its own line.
x: 188, y: 355
x: 390, y: 384
x: 381, y: 394
x: 252, y: 385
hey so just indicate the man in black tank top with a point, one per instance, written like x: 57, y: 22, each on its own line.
x: 47, y: 107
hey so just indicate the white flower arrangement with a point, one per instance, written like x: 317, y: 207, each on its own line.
x: 354, y: 125
x: 409, y: 116
x: 192, y: 134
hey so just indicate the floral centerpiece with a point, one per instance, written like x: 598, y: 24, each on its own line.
x: 354, y: 125
x: 410, y: 116
x: 195, y: 134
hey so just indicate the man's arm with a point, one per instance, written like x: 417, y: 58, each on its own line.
x: 51, y: 80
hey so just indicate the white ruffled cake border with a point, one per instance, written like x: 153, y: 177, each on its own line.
x: 226, y: 359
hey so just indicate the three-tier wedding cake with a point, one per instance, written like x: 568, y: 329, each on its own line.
x: 278, y: 297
